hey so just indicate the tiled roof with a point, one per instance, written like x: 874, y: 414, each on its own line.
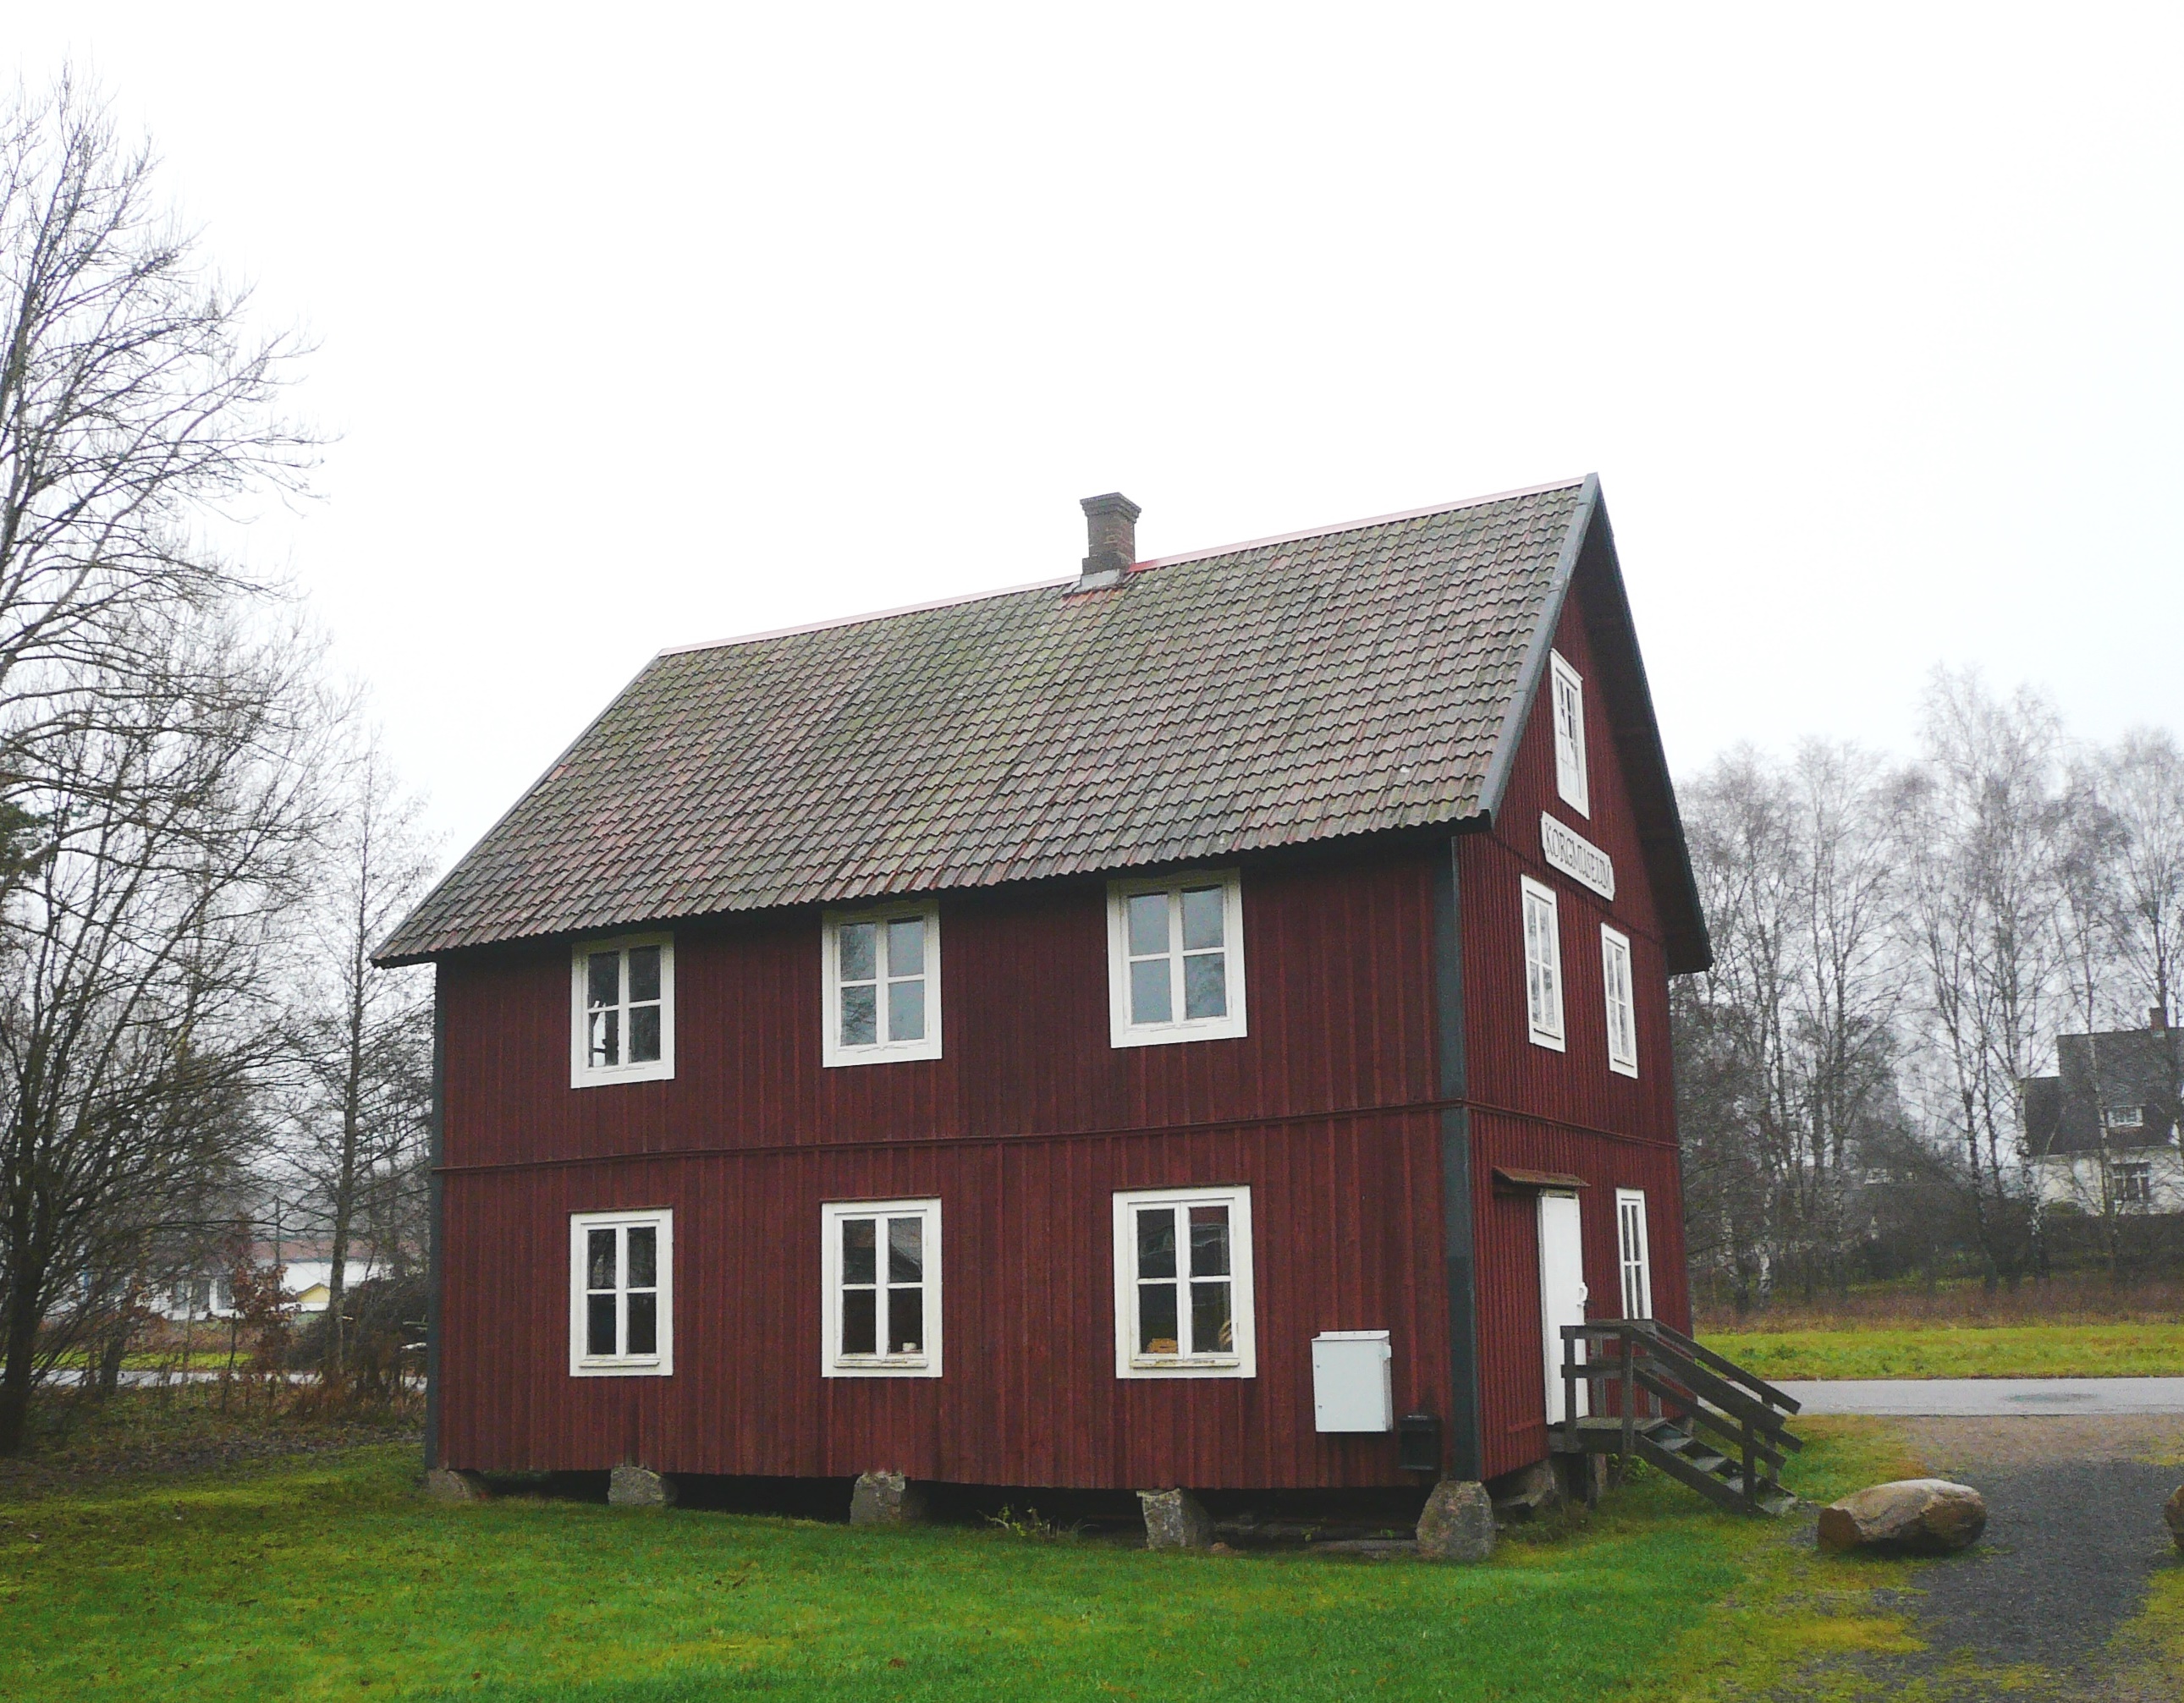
x: 2138, y: 1068
x: 1344, y: 682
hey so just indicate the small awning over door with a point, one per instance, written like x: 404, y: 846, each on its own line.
x: 1508, y: 1176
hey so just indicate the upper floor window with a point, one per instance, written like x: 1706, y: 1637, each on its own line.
x: 881, y: 977
x: 2134, y: 1184
x: 1182, y: 1283
x: 624, y: 1015
x: 621, y: 1288
x: 1543, y: 963
x: 1621, y: 1011
x: 1568, y: 690
x: 880, y: 1267
x: 2126, y: 1117
x: 1175, y: 958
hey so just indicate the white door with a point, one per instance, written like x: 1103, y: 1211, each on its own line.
x: 1561, y: 1291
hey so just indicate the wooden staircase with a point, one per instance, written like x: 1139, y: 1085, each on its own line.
x: 1659, y: 1397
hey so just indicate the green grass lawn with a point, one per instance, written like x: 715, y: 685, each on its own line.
x: 1952, y: 1350
x: 331, y: 1578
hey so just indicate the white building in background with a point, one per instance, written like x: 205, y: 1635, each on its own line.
x: 2102, y: 1132
x: 306, y: 1280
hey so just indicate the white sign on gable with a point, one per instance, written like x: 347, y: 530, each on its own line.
x: 1576, y: 856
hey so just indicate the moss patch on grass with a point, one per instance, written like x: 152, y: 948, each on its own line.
x: 333, y: 1577
x: 2137, y: 1349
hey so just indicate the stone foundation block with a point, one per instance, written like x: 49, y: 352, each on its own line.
x: 1911, y: 1517
x: 886, y: 1499
x: 1458, y: 1522
x: 639, y: 1487
x: 1176, y: 1520
x: 2172, y: 1513
x: 452, y: 1484
x: 1584, y: 1477
x: 1531, y: 1491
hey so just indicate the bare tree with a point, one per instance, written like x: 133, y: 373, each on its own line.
x: 2141, y: 781
x: 361, y: 1090
x: 157, y: 773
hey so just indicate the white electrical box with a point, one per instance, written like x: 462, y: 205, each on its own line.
x: 1353, y: 1382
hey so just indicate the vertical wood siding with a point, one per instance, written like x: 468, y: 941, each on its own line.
x: 1025, y: 1129
x: 1561, y: 1111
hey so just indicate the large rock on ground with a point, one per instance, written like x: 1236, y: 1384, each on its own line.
x: 453, y: 1484
x: 1530, y: 1490
x: 2173, y: 1512
x: 1457, y: 1524
x: 1911, y: 1517
x: 1176, y: 1520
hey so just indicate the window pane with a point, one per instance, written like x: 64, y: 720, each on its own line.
x: 606, y: 1037
x: 605, y: 978
x: 1157, y: 1241
x: 860, y: 1017
x: 644, y: 1324
x: 907, y: 946
x: 600, y: 1334
x: 1206, y: 985
x: 599, y: 1260
x: 644, y: 973
x: 1209, y: 1241
x: 905, y: 1250
x: 643, y: 1034
x: 1149, y: 1002
x: 906, y: 1320
x: 857, y: 944
x: 859, y: 1265
x: 859, y: 1311
x: 906, y: 1011
x: 1156, y: 1319
x: 1148, y: 923
x: 1211, y: 1331
x: 644, y: 1257
x: 1202, y: 917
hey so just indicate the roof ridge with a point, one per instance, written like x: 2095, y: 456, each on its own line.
x: 961, y: 598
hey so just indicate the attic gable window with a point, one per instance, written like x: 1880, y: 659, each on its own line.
x: 1567, y: 688
x: 881, y: 981
x: 2126, y: 1117
x: 1543, y: 963
x: 1175, y: 959
x: 621, y: 1293
x: 623, y: 1010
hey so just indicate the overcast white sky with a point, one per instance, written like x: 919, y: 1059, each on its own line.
x: 642, y: 325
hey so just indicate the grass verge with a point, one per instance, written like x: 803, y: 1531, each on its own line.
x: 2138, y: 1349
x: 330, y: 1578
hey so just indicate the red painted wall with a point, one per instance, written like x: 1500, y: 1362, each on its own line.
x: 1561, y: 1111
x: 1025, y: 1129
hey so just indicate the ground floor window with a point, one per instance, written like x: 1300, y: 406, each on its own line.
x: 880, y: 1263
x: 1182, y: 1283
x: 620, y: 1293
x: 1630, y: 1241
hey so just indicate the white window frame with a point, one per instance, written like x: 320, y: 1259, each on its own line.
x: 832, y: 1050
x: 1546, y: 1027
x: 1618, y: 987
x: 1231, y: 1024
x: 1566, y: 689
x: 1634, y: 1257
x: 582, y: 1074
x: 833, y: 1362
x: 584, y: 1364
x: 1243, y: 1361
x: 2126, y: 1117
x: 2134, y: 1183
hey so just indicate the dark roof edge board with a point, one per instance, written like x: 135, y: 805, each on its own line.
x: 1518, y: 711
x: 380, y: 955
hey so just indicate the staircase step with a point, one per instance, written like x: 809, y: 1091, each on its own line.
x: 1708, y: 1463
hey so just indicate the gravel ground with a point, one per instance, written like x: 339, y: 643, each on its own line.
x: 2074, y: 1536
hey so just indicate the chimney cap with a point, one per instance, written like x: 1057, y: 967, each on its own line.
x: 1110, y: 527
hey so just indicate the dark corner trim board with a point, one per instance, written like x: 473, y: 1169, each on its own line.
x: 1458, y: 1238
x: 437, y: 1228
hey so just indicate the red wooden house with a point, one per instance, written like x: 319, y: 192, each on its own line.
x: 1152, y: 1029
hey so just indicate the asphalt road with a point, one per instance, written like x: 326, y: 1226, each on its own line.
x: 1984, y: 1398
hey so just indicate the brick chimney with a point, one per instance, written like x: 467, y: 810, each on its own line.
x: 1111, y: 529
x: 2156, y: 1019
